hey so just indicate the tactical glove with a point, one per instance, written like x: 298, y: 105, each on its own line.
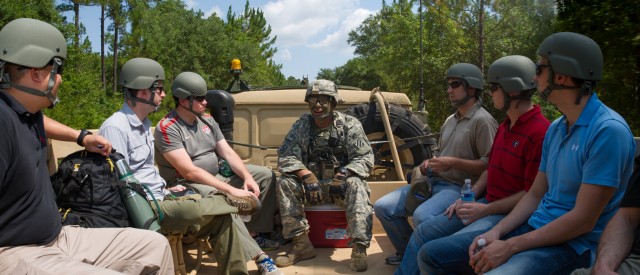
x: 338, y: 186
x: 312, y: 190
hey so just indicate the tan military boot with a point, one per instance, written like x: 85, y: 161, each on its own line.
x: 359, y: 258
x: 301, y: 249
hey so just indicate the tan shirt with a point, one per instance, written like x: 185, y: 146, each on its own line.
x: 467, y: 137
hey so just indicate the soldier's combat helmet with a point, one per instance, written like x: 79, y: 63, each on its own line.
x: 188, y: 84
x: 323, y: 87
x: 34, y: 44
x: 138, y: 74
x: 515, y: 74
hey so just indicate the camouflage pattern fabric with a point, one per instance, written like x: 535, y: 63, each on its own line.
x: 294, y: 155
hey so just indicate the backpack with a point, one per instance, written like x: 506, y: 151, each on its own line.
x: 88, y: 191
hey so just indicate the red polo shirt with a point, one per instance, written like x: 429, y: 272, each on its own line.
x: 515, y: 155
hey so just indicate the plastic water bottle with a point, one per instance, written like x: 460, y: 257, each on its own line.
x: 140, y: 212
x: 467, y: 194
x: 224, y: 169
x: 481, y: 244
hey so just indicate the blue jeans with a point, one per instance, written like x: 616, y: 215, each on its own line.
x: 391, y: 212
x: 439, y: 227
x: 450, y: 255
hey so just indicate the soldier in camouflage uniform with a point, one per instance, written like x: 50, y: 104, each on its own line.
x: 325, y: 157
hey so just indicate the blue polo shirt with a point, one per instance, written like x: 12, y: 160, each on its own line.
x: 598, y: 150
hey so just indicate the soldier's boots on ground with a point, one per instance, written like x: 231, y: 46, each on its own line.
x: 246, y: 205
x: 301, y: 249
x: 359, y: 258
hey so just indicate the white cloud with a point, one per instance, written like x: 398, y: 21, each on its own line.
x: 214, y: 9
x: 190, y: 4
x: 283, y: 55
x: 337, y: 40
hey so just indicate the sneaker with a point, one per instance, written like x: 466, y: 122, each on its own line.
x: 246, y: 205
x: 266, y: 266
x: 266, y: 244
x: 394, y: 259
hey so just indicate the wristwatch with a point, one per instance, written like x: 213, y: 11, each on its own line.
x: 83, y: 134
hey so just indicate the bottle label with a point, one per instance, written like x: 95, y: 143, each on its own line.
x: 467, y: 196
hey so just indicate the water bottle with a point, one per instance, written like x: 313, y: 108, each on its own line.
x: 481, y: 244
x: 224, y: 169
x: 467, y: 194
x: 140, y: 212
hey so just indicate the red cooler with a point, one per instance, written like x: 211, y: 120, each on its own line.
x: 328, y: 224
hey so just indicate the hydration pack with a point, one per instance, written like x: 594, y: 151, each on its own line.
x: 87, y: 191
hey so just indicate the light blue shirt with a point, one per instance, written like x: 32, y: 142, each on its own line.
x: 133, y: 138
x: 597, y: 150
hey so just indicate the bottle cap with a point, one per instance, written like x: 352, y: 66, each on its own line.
x: 482, y: 242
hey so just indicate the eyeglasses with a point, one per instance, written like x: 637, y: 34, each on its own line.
x: 494, y: 87
x: 159, y: 90
x: 454, y: 84
x: 540, y: 66
x: 199, y: 98
x: 315, y: 100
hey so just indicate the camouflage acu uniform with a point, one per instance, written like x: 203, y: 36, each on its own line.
x: 357, y: 156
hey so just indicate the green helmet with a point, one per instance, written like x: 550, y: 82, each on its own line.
x: 514, y: 73
x: 140, y: 73
x: 573, y: 54
x: 323, y: 87
x: 469, y: 72
x: 31, y: 43
x: 188, y: 84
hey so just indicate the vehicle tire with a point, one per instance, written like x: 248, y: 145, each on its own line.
x: 404, y: 124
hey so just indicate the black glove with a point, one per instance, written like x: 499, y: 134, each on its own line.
x: 312, y: 190
x: 338, y: 186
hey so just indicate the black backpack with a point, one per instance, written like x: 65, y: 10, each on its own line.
x: 88, y: 191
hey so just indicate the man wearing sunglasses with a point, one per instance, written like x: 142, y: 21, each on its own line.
x: 464, y: 146
x: 325, y: 157
x: 32, y: 238
x: 513, y: 164
x: 587, y: 160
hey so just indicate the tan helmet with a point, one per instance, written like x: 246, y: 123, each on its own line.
x: 323, y: 87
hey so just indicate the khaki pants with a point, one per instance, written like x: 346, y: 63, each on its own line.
x: 80, y: 250
x: 263, y: 221
x: 630, y: 266
x: 211, y: 216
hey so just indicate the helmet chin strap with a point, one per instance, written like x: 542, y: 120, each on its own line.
x: 135, y: 99
x: 190, y: 109
x: 551, y: 87
x: 48, y: 93
x: 458, y: 103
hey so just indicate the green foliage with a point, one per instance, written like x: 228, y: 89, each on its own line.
x: 614, y: 25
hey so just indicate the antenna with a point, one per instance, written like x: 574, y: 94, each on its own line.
x: 422, y: 113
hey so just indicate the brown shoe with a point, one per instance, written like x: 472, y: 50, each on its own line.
x: 246, y: 205
x: 301, y: 249
x: 358, y: 258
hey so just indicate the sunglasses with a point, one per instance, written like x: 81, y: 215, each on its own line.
x: 454, y: 84
x: 494, y: 87
x: 56, y: 63
x: 199, y: 98
x: 159, y: 90
x: 539, y: 68
x: 315, y: 100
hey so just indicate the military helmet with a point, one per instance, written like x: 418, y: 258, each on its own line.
x: 323, y: 87
x: 514, y: 73
x: 573, y: 54
x: 188, y: 84
x: 31, y: 43
x: 140, y: 73
x: 469, y: 72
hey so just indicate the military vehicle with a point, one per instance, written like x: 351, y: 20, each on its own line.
x: 256, y: 121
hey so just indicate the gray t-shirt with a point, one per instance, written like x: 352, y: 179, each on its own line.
x: 198, y: 140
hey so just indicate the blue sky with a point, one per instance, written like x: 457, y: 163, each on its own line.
x: 312, y: 34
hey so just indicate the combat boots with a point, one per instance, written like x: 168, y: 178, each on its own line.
x: 358, y: 258
x: 301, y: 249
